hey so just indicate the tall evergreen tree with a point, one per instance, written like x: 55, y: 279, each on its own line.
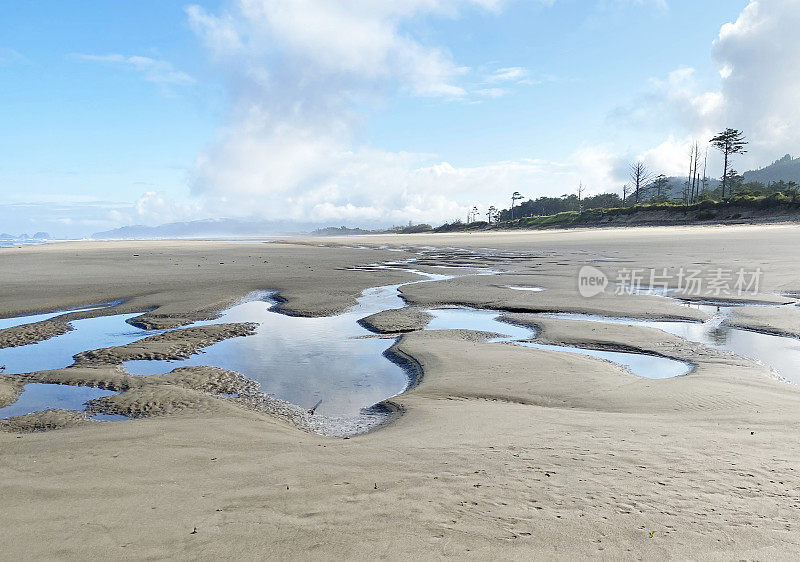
x: 729, y: 142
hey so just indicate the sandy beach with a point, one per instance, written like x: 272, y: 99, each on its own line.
x: 500, y: 451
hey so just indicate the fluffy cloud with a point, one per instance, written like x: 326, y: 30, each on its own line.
x: 670, y: 158
x: 351, y: 42
x: 756, y: 57
x: 155, y: 207
x: 379, y: 187
x: 296, y: 69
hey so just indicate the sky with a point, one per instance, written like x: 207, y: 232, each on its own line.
x: 371, y: 112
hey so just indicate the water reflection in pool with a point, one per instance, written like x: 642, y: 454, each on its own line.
x: 778, y: 353
x: 647, y: 366
x: 36, y: 397
x: 57, y: 352
x: 304, y: 360
x: 333, y: 359
x: 33, y: 318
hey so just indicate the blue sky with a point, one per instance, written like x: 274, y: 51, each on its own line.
x: 588, y: 59
x: 357, y: 112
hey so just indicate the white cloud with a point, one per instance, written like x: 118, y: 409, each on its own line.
x: 155, y: 207
x: 345, y: 40
x: 219, y: 32
x: 759, y: 78
x: 675, y: 102
x: 510, y: 74
x: 670, y: 158
x: 153, y: 70
x: 374, y: 186
x: 758, y: 55
x: 508, y: 77
x: 296, y: 69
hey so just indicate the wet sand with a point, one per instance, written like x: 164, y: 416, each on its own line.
x: 500, y: 451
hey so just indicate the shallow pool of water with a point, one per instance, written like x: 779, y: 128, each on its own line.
x: 641, y: 365
x: 57, y: 352
x: 778, y: 353
x: 297, y: 359
x: 33, y: 318
x: 36, y: 397
x: 333, y: 359
x: 304, y: 360
x: 29, y: 319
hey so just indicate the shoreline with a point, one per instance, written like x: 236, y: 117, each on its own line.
x: 302, y: 238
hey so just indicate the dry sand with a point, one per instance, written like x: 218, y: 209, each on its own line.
x: 500, y: 451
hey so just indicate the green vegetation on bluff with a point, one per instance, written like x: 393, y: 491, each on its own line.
x: 753, y: 202
x: 740, y: 208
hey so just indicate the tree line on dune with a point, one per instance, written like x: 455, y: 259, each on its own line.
x: 645, y: 188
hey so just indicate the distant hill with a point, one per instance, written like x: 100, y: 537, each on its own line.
x: 677, y: 185
x: 234, y: 228
x: 340, y: 231
x: 211, y: 228
x: 38, y: 236
x: 786, y: 169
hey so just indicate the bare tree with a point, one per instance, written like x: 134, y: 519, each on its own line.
x: 695, y: 176
x: 692, y: 182
x: 514, y: 198
x: 705, y: 172
x: 580, y: 197
x: 626, y: 190
x: 490, y: 214
x: 729, y: 142
x: 640, y: 177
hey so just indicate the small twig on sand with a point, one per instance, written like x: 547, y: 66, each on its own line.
x: 314, y: 409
